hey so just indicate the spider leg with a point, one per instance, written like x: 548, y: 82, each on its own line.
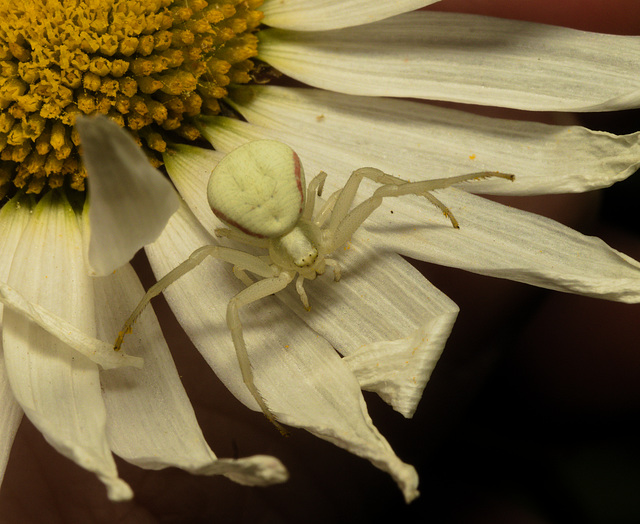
x: 260, y: 289
x: 348, y: 192
x: 315, y: 187
x: 445, y: 210
x: 336, y: 268
x: 344, y: 223
x: 424, y: 186
x: 302, y: 293
x: 234, y: 256
x: 242, y: 276
x: 325, y: 211
x: 236, y: 234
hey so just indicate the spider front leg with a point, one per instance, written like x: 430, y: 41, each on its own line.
x: 256, y: 291
x: 343, y: 198
x: 344, y: 223
x: 233, y: 256
x: 315, y: 188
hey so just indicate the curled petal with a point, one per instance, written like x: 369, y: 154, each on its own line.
x: 14, y: 216
x: 96, y: 350
x: 129, y: 200
x: 258, y: 470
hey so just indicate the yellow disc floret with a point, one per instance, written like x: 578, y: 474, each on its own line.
x: 150, y: 65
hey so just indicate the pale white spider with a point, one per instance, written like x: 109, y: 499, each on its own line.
x: 258, y: 190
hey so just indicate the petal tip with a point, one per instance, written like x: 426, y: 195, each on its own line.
x: 260, y: 470
x: 117, y: 489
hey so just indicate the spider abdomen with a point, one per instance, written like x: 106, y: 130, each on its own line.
x: 259, y: 189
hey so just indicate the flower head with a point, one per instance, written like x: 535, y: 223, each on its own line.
x: 149, y: 66
x: 156, y: 70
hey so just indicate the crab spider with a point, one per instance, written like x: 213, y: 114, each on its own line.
x: 258, y: 190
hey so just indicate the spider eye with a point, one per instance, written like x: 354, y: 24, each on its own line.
x: 308, y: 259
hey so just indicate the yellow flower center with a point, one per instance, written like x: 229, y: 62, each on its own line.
x: 150, y: 65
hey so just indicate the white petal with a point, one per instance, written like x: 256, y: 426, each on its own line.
x: 493, y: 239
x: 420, y: 141
x: 190, y: 168
x: 505, y: 242
x: 465, y: 58
x: 10, y: 414
x: 300, y: 375
x: 14, y: 216
x: 314, y: 15
x: 58, y: 389
x: 396, y: 334
x: 150, y: 421
x: 257, y: 470
x: 129, y: 200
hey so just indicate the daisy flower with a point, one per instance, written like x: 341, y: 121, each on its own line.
x: 162, y: 76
